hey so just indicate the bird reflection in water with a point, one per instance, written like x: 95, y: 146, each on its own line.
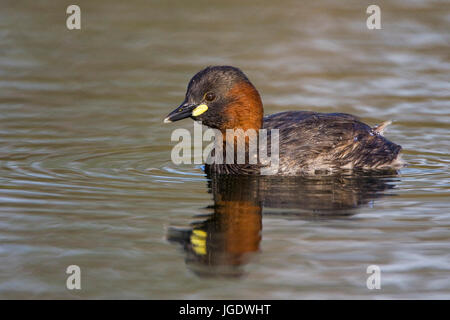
x: 225, y: 239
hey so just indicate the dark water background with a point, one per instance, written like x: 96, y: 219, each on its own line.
x: 86, y: 176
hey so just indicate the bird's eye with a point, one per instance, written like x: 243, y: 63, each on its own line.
x: 210, y: 96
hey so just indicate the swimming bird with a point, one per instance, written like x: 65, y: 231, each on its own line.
x: 222, y: 97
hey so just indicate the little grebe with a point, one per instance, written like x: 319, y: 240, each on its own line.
x: 222, y: 97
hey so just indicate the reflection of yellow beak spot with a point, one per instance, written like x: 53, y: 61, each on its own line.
x: 199, y: 233
x: 198, y: 240
x: 200, y: 250
x: 199, y: 110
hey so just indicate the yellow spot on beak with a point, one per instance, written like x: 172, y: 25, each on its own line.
x: 199, y: 110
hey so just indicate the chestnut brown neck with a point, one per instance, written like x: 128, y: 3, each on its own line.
x: 246, y: 109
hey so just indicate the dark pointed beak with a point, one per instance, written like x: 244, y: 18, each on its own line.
x: 182, y: 112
